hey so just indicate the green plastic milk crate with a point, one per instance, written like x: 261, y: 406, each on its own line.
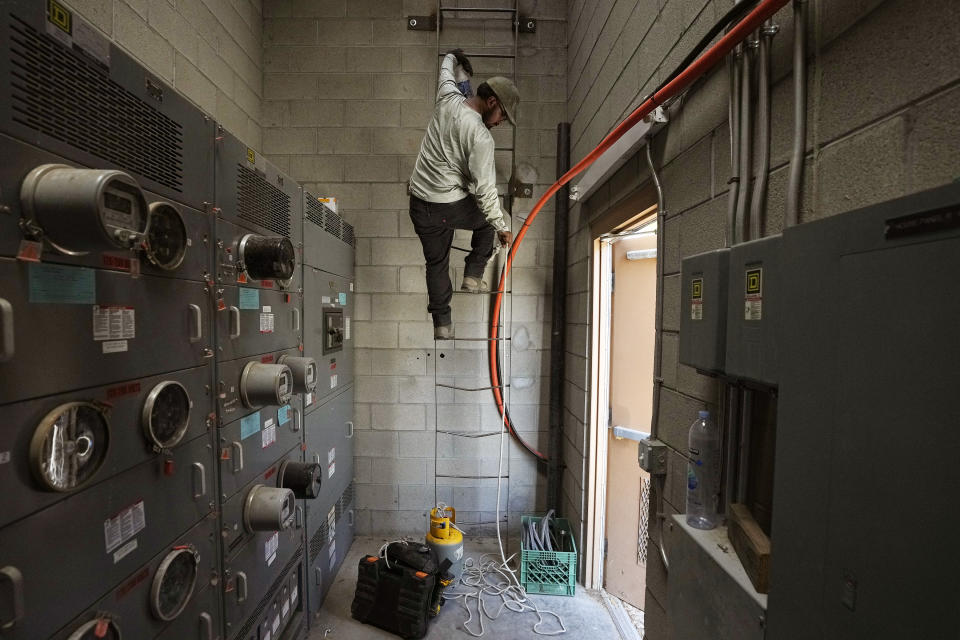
x: 550, y: 572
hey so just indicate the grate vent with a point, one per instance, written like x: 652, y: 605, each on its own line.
x: 333, y: 224
x: 318, y: 540
x: 62, y: 95
x: 261, y: 203
x: 348, y: 235
x: 314, y: 210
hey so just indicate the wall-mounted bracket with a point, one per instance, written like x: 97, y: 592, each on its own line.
x: 421, y: 23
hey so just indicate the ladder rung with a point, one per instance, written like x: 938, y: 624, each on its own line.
x: 470, y: 477
x: 473, y: 293
x: 503, y: 148
x: 453, y: 386
x: 506, y: 56
x: 460, y: 249
x: 468, y: 434
x: 469, y: 339
x: 478, y: 9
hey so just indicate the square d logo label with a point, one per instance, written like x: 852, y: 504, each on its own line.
x: 696, y: 288
x: 60, y: 16
x: 754, y: 281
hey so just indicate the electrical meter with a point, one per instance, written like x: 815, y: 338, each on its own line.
x: 166, y: 414
x: 304, y: 372
x: 265, y: 384
x: 69, y: 446
x: 83, y: 210
x: 97, y: 629
x: 166, y: 241
x: 174, y: 582
x: 267, y: 257
x: 268, y: 509
x: 303, y: 478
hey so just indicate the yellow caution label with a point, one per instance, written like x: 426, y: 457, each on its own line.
x: 251, y: 156
x: 696, y: 288
x: 60, y: 16
x: 754, y: 281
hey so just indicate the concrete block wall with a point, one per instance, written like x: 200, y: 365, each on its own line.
x: 209, y: 50
x: 348, y: 93
x: 882, y: 123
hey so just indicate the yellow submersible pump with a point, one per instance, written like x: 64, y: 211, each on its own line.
x: 445, y: 539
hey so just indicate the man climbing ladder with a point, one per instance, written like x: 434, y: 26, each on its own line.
x: 454, y: 182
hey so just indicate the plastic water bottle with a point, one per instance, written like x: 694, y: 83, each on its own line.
x: 703, y: 473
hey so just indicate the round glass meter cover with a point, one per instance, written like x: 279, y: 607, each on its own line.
x: 166, y: 414
x: 174, y: 582
x: 69, y: 446
x: 166, y: 236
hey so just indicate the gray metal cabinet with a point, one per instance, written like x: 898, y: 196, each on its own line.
x: 97, y: 537
x: 134, y: 603
x: 328, y: 433
x: 125, y: 443
x: 251, y: 444
x: 197, y: 225
x: 227, y: 259
x: 280, y: 616
x: 72, y: 327
x: 329, y: 242
x: 328, y: 333
x: 251, y: 321
x: 66, y: 88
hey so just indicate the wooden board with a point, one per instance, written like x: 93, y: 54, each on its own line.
x: 752, y: 546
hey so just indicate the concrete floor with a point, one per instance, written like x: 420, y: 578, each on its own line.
x: 584, y: 615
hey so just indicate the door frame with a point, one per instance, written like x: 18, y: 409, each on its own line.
x: 613, y: 224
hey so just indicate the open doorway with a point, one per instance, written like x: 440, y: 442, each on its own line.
x: 625, y: 290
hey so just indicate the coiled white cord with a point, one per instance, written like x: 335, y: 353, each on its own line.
x: 487, y: 577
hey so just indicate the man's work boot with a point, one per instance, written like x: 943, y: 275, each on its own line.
x: 443, y: 332
x: 474, y: 285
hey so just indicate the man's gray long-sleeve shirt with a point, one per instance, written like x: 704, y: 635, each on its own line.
x: 457, y: 153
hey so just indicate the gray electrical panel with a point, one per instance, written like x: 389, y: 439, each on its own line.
x: 753, y: 311
x: 66, y: 88
x: 863, y: 548
x: 328, y: 334
x: 703, y: 310
x: 108, y: 520
x: 329, y: 240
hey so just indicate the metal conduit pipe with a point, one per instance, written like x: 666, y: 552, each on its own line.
x: 746, y: 141
x: 759, y: 205
x: 799, y: 112
x: 733, y: 66
x: 658, y: 337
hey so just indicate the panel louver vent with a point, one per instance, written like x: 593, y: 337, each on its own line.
x: 261, y: 203
x: 315, y: 211
x: 62, y: 95
x: 333, y: 224
x: 318, y: 540
x: 348, y: 235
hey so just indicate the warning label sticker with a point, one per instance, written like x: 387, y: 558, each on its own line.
x: 114, y: 323
x: 269, y: 435
x: 266, y: 323
x: 270, y: 548
x: 123, y: 526
x: 333, y: 554
x: 753, y: 294
x: 332, y: 524
x: 124, y: 551
x: 696, y: 299
x: 293, y: 596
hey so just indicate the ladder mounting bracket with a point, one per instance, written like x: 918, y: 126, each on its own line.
x: 421, y: 23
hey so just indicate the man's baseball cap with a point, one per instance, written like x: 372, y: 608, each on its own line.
x: 508, y: 96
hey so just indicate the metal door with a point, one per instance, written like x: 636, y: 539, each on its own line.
x: 71, y: 327
x: 325, y: 432
x: 251, y: 444
x: 253, y: 571
x: 251, y: 321
x: 67, y: 88
x: 126, y: 445
x: 331, y: 295
x: 131, y: 602
x: 70, y: 551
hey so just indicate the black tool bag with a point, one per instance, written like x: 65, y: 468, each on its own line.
x: 400, y: 598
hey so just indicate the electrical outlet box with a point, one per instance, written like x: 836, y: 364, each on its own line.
x: 704, y: 279
x: 652, y: 456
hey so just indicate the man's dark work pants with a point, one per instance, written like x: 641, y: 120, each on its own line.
x: 435, y: 222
